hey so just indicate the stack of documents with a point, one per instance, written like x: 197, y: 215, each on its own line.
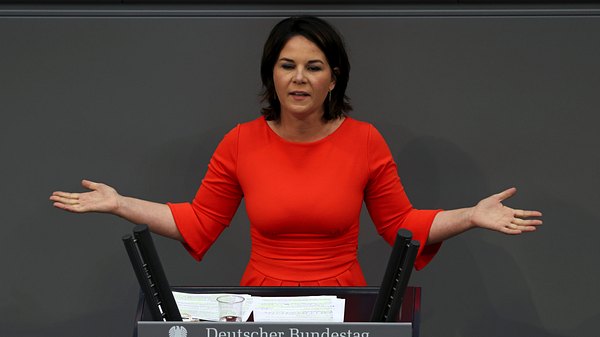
x: 299, y: 309
x: 204, y: 307
x: 266, y: 309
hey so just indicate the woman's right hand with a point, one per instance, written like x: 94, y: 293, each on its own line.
x: 101, y: 198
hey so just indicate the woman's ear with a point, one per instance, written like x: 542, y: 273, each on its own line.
x: 334, y: 73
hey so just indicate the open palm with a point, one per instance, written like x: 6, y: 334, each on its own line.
x: 100, y: 198
x: 492, y: 214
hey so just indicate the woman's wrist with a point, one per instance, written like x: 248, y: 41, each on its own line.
x: 120, y: 207
x: 469, y: 212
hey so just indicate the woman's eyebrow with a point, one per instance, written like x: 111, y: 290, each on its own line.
x: 285, y: 59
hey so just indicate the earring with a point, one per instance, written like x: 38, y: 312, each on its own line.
x: 329, y: 96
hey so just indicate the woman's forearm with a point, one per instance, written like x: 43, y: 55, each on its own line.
x: 447, y: 224
x: 489, y: 213
x: 157, y: 216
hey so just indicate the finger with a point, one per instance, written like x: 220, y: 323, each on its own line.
x: 70, y: 208
x: 527, y: 228
x: 64, y: 200
x: 506, y: 193
x: 520, y: 228
x: 68, y: 195
x: 526, y: 222
x: 90, y: 185
x: 519, y: 213
x: 510, y: 231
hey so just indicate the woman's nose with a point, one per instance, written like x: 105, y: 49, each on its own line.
x: 299, y: 76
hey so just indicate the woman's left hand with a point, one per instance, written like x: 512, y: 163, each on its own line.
x: 490, y: 213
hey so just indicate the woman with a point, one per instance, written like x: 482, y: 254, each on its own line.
x: 305, y: 168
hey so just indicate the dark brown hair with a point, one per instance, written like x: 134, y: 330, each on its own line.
x: 331, y: 44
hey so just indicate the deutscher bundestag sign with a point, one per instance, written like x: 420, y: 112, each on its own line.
x: 255, y: 329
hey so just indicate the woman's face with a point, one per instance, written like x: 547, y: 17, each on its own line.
x: 302, y: 78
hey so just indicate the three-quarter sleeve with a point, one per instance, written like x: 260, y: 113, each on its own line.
x: 218, y: 198
x: 388, y: 205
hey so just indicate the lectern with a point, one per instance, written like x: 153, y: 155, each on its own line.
x: 392, y: 310
x: 359, y: 305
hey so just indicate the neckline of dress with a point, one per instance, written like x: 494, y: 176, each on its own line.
x: 324, y: 139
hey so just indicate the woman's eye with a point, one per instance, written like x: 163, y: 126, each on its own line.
x: 287, y: 66
x: 314, y: 68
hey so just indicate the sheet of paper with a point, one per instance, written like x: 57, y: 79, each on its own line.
x: 205, y: 306
x: 299, y: 309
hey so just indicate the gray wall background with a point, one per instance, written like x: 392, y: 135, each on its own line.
x: 470, y: 102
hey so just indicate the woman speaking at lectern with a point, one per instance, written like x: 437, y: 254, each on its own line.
x: 304, y: 167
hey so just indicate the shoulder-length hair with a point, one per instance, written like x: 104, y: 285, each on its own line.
x: 331, y: 44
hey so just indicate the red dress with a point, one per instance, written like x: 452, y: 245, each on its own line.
x: 303, y: 201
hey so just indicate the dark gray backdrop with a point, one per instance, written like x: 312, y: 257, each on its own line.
x: 471, y: 102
